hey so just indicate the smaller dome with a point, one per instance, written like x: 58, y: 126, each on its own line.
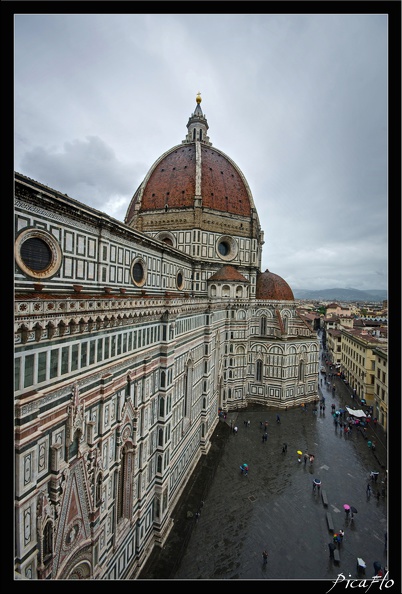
x: 273, y: 287
x: 228, y: 273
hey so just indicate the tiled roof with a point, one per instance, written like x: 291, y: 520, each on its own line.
x: 228, y: 273
x: 172, y: 183
x: 272, y: 286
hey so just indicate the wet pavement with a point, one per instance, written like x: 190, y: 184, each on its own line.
x: 275, y: 506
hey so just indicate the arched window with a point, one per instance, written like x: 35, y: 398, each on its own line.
x: 98, y: 490
x: 48, y: 540
x: 188, y: 385
x: 162, y: 407
x: 301, y: 376
x: 258, y: 375
x: 163, y: 379
x: 160, y: 437
x: 159, y: 464
x: 125, y: 494
x: 263, y: 325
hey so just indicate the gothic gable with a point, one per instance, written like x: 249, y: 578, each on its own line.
x: 73, y: 531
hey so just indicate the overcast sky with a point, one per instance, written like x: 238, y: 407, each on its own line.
x: 298, y: 102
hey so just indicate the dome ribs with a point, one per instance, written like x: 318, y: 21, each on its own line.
x: 222, y: 187
x: 172, y: 182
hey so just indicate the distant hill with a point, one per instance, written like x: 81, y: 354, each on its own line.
x: 341, y: 295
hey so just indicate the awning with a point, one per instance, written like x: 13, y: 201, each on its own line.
x: 356, y: 413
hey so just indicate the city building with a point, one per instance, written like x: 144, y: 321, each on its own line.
x: 130, y: 339
x: 358, y: 361
x: 380, y: 409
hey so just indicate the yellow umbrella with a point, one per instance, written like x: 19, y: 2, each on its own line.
x: 299, y: 452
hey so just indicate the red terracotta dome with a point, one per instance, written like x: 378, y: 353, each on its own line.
x: 171, y: 183
x: 191, y: 174
x: 273, y: 287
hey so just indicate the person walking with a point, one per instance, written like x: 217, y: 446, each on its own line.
x: 264, y: 557
x: 278, y: 419
x: 305, y: 459
x: 284, y: 448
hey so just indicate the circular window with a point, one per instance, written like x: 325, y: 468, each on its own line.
x: 180, y: 280
x: 139, y: 272
x: 223, y: 248
x: 37, y: 253
x: 227, y: 248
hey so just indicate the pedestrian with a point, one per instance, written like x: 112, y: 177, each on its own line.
x: 197, y: 515
x: 314, y: 486
x: 341, y: 534
x: 264, y: 557
x: 305, y: 459
x: 284, y: 448
x: 235, y: 429
x: 278, y: 419
x: 248, y: 423
x: 265, y: 436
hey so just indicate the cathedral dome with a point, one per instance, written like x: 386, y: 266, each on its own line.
x: 273, y: 287
x: 193, y: 174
